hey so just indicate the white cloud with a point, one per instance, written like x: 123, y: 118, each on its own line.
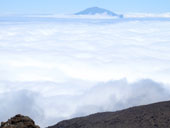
x: 96, y: 16
x: 147, y: 15
x: 23, y: 101
x: 67, y: 68
x: 49, y: 51
x: 49, y: 102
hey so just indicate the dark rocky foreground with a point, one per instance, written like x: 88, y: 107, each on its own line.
x: 19, y: 121
x: 149, y: 116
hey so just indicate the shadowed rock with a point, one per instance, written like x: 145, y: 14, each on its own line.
x: 148, y: 116
x: 19, y: 121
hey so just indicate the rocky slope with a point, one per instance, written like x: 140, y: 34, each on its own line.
x: 149, y: 116
x: 19, y: 121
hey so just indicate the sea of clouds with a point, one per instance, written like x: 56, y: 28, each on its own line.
x: 60, y: 68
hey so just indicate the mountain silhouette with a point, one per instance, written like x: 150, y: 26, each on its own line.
x: 97, y: 10
x: 148, y: 116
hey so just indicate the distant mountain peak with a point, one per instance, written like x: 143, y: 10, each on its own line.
x: 97, y: 10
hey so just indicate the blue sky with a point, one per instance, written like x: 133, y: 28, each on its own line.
x: 71, y: 6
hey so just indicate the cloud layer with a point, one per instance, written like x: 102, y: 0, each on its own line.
x: 62, y: 69
x: 47, y: 102
x: 51, y: 51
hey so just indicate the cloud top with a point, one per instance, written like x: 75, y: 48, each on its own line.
x: 63, y: 69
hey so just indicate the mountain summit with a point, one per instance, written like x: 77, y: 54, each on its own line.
x: 97, y: 10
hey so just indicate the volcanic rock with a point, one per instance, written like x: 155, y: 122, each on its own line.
x: 148, y: 116
x: 19, y: 121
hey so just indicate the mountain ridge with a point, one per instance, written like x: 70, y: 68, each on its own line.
x: 155, y: 115
x: 97, y: 10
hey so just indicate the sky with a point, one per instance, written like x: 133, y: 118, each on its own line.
x: 72, y: 6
